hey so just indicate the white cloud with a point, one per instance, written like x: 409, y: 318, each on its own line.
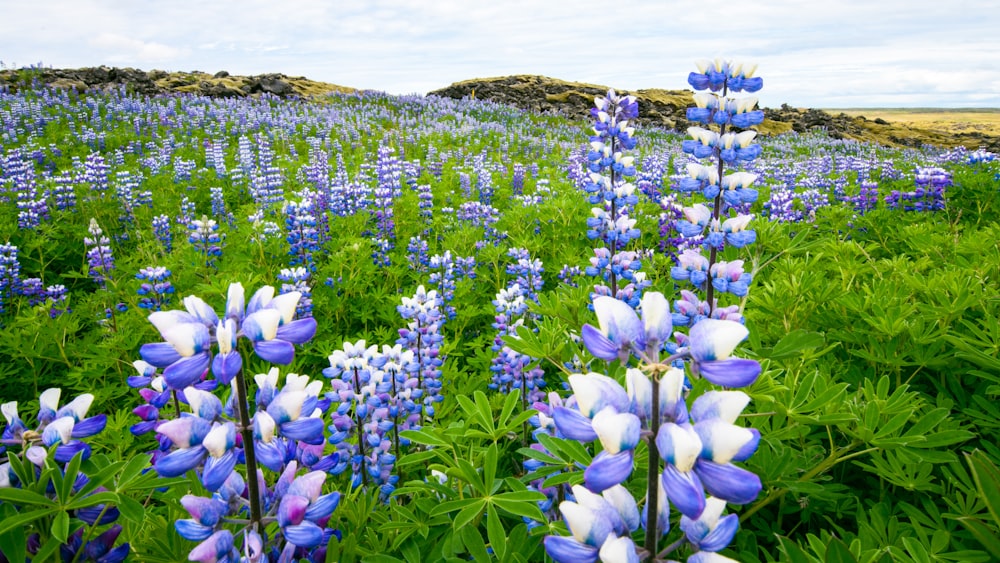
x: 816, y: 54
x: 127, y: 49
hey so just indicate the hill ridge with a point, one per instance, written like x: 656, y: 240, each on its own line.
x: 662, y: 107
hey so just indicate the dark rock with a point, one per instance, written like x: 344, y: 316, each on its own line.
x: 881, y: 121
x: 220, y: 74
x: 271, y: 84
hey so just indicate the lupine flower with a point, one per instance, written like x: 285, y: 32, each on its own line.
x: 156, y: 289
x: 99, y: 257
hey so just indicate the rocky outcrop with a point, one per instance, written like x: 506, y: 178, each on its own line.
x: 158, y: 82
x: 667, y: 108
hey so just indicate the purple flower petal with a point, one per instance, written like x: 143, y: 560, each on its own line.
x: 719, y: 538
x: 307, y: 534
x: 226, y: 366
x: 684, y: 490
x: 271, y: 455
x: 323, y: 507
x: 608, y: 470
x: 159, y: 354
x: 573, y: 425
x: 217, y: 546
x: 186, y: 371
x: 275, y: 351
x: 731, y: 372
x: 297, y: 332
x: 598, y: 344
x: 90, y: 426
x: 179, y: 462
x: 292, y: 510
x: 728, y: 482
x: 66, y: 452
x: 205, y: 510
x: 217, y: 470
x: 192, y: 530
x: 308, y: 430
x: 568, y: 550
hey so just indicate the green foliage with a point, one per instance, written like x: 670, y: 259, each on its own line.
x: 879, y: 341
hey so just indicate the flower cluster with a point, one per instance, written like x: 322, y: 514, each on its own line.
x: 206, y: 240
x: 303, y: 236
x: 609, y: 167
x: 422, y: 336
x: 722, y: 223
x: 156, y: 289
x: 162, y: 232
x: 697, y: 445
x: 928, y: 195
x: 10, y: 274
x: 99, y: 257
x: 57, y: 439
x: 298, y: 279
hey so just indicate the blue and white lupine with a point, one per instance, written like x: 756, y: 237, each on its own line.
x: 417, y: 254
x: 609, y: 167
x: 288, y: 423
x: 298, y: 279
x: 303, y: 236
x: 422, y: 336
x: 10, y: 275
x: 63, y: 194
x: 443, y: 275
x: 156, y: 289
x: 928, y: 195
x: 96, y: 173
x: 204, y: 237
x: 697, y: 447
x: 722, y: 223
x: 294, y: 502
x: 186, y: 215
x: 355, y: 398
x: 61, y: 431
x: 100, y: 261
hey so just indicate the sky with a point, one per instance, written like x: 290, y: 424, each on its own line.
x: 824, y: 54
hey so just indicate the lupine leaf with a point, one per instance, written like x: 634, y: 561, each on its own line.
x: 984, y: 534
x: 987, y: 479
x: 793, y: 553
x: 495, y: 532
x: 60, y: 526
x: 838, y: 552
x: 474, y: 543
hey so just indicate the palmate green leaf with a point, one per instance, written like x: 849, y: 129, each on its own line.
x: 538, y: 456
x: 13, y: 543
x: 495, y: 532
x: 987, y: 479
x: 984, y: 534
x: 24, y: 497
x: 793, y: 343
x: 474, y: 543
x: 570, y: 451
x: 425, y: 436
x: 23, y: 519
x: 469, y: 513
x: 794, y: 553
x: 60, y: 526
x: 838, y: 552
x: 131, y: 509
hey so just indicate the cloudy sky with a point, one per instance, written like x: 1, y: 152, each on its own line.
x: 828, y: 53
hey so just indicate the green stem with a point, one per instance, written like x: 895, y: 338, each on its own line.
x: 834, y: 458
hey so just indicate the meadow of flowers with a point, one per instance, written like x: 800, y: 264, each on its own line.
x: 378, y: 328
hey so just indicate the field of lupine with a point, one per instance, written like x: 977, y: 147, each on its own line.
x: 380, y: 328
